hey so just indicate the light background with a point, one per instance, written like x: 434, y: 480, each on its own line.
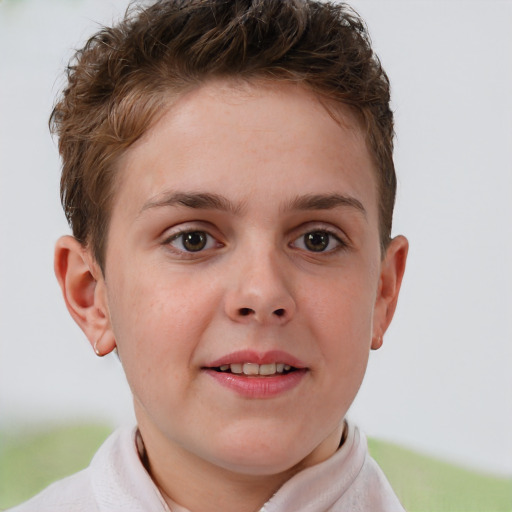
x: 442, y: 383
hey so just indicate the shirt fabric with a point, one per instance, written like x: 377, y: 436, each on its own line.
x: 116, y: 481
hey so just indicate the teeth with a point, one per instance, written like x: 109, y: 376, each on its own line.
x: 255, y: 369
x: 251, y: 369
x: 268, y: 369
x: 236, y: 368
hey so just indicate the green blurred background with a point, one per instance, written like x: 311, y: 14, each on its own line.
x: 30, y: 460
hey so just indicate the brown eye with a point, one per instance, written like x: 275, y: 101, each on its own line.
x: 192, y: 241
x: 317, y: 241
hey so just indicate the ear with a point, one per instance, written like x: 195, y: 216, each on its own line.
x: 83, y: 287
x: 391, y: 274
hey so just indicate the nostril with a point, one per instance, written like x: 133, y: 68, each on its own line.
x: 246, y: 311
x: 279, y: 312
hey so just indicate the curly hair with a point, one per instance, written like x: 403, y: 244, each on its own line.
x: 124, y: 76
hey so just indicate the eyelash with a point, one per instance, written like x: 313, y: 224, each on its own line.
x: 207, y: 241
x: 340, y: 244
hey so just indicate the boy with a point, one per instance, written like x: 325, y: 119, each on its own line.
x: 228, y: 177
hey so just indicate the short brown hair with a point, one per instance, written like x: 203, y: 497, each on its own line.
x: 120, y: 81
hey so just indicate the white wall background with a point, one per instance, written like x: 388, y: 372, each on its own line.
x: 442, y: 383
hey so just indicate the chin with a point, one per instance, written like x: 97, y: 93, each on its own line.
x: 261, y: 456
x: 259, y: 465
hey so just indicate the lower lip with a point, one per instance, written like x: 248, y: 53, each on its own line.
x: 258, y: 387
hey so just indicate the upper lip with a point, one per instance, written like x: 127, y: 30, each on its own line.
x: 252, y: 356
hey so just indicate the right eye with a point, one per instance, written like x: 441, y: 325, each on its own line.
x: 192, y: 241
x: 321, y: 241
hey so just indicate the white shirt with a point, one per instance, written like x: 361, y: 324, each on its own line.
x: 116, y: 481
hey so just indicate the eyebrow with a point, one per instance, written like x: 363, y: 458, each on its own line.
x: 324, y: 202
x: 198, y: 201
x: 210, y: 201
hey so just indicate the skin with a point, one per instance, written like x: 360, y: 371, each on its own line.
x: 262, y: 152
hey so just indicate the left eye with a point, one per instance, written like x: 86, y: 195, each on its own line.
x: 317, y: 241
x: 192, y: 241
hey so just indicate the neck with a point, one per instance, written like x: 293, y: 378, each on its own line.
x: 197, y: 485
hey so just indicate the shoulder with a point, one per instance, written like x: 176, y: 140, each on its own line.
x: 369, y: 489
x: 115, y: 478
x: 72, y: 494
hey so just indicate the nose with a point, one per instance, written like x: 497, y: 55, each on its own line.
x: 260, y: 292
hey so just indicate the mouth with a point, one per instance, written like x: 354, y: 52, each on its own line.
x: 255, y: 370
x: 257, y: 375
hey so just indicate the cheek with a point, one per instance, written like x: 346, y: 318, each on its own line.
x: 157, y: 321
x: 342, y: 327
x: 342, y: 313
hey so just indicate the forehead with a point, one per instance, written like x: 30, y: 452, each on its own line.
x: 271, y: 136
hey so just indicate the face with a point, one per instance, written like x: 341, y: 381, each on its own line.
x: 242, y: 275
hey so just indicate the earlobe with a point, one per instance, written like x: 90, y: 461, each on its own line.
x: 83, y: 288
x: 392, y: 272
